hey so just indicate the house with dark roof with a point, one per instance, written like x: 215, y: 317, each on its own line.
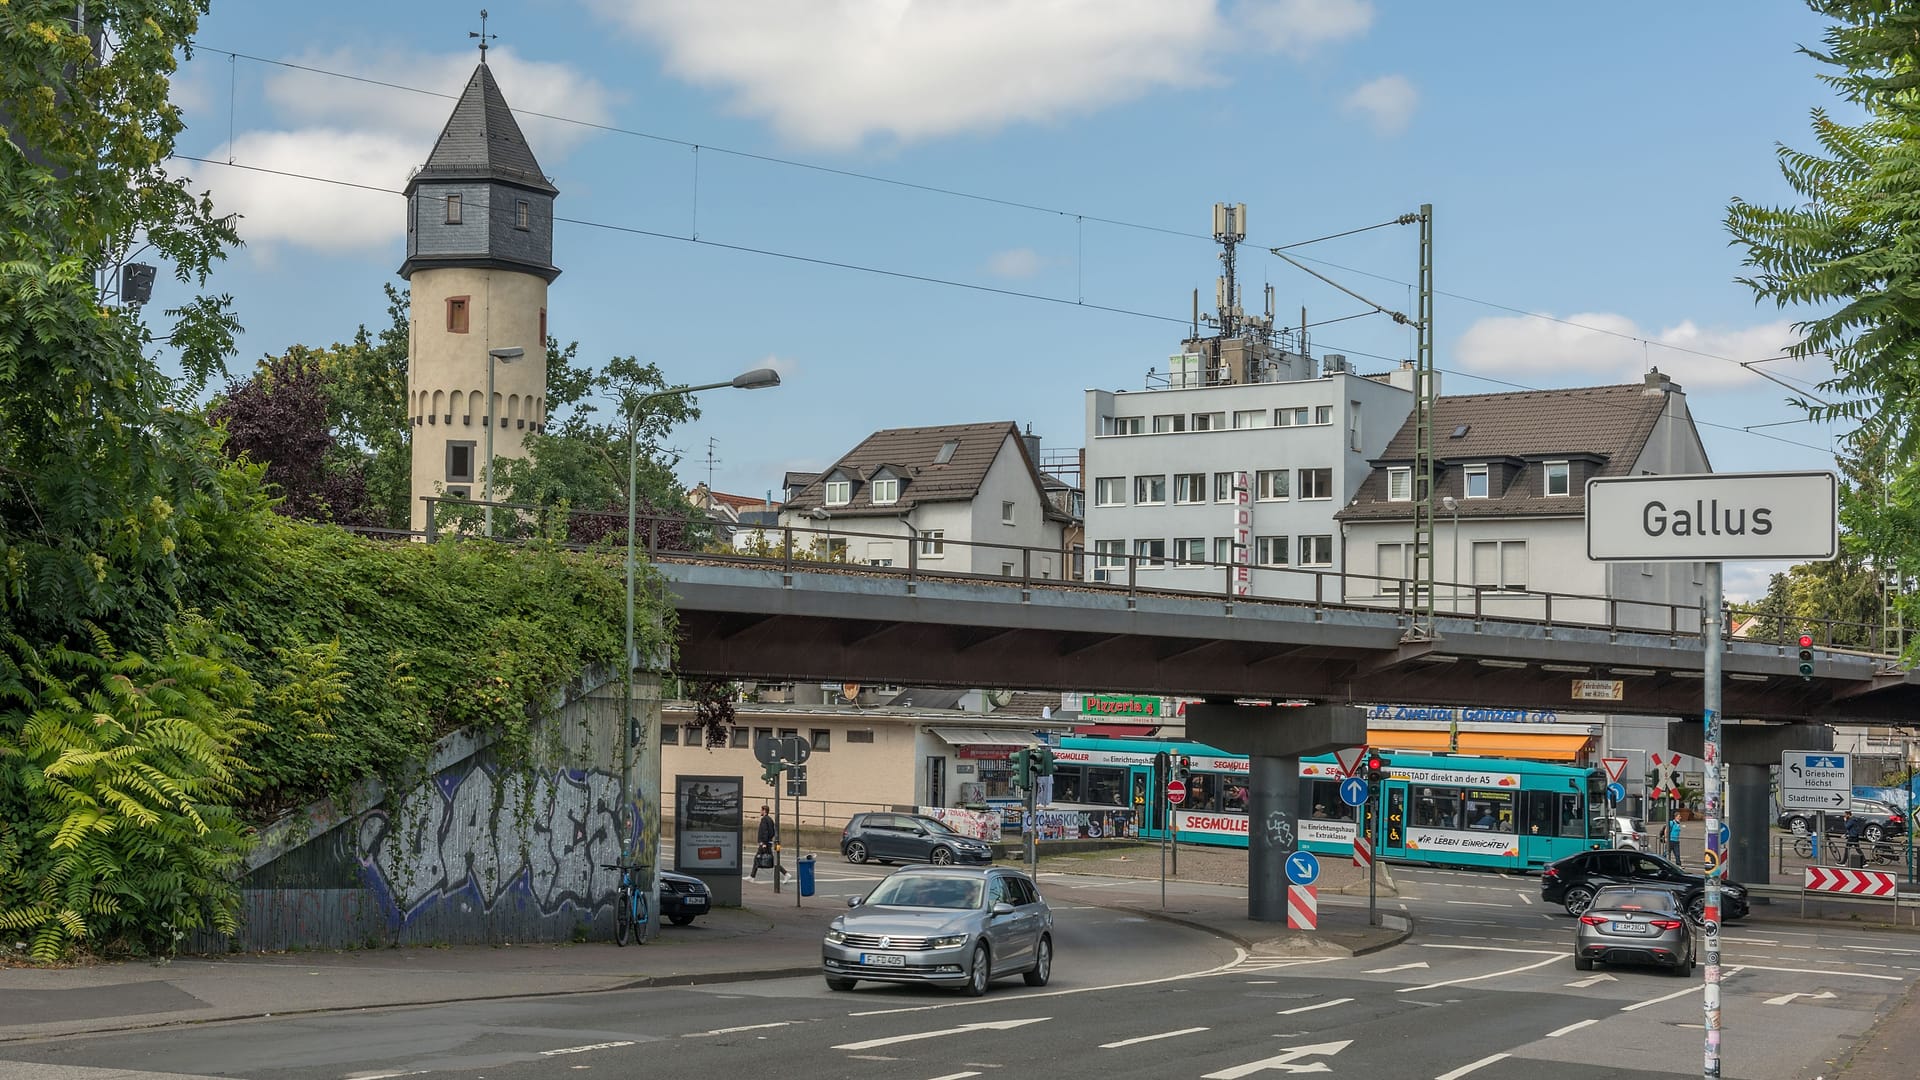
x: 1510, y: 473
x: 967, y: 498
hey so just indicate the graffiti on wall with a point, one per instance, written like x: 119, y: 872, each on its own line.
x: 479, y: 838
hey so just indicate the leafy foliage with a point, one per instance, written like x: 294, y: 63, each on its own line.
x: 282, y: 417
x: 117, y: 775
x: 713, y: 714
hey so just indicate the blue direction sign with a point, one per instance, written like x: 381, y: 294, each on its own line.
x: 1303, y: 868
x: 1616, y: 791
x: 1353, y: 791
x: 1726, y: 836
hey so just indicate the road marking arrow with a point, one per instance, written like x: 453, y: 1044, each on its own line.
x: 1284, y: 1061
x: 989, y: 1025
x: 1593, y: 980
x: 1786, y: 999
x: 1391, y: 970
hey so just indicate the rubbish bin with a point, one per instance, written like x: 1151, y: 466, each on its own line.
x: 806, y: 875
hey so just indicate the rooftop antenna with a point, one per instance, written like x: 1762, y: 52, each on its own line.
x: 711, y: 460
x: 1229, y: 228
x: 483, y: 36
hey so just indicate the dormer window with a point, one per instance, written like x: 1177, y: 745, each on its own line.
x: 453, y: 209
x: 839, y: 492
x: 1400, y: 484
x: 886, y: 491
x: 1559, y: 478
x: 1475, y: 479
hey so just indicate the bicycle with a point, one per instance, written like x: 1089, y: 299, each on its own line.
x: 630, y: 912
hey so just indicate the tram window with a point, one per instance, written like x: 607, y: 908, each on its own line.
x: 1104, y: 787
x: 1437, y: 808
x: 1203, y: 793
x: 1573, y: 822
x: 1235, y: 801
x: 1327, y: 805
x: 1540, y: 813
x: 1139, y: 790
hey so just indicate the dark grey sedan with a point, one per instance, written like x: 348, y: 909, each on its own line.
x: 948, y: 926
x: 1635, y: 924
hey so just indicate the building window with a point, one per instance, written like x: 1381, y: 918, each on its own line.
x: 1223, y: 487
x: 1109, y: 554
x: 1166, y: 425
x: 1316, y: 551
x: 1270, y: 550
x: 1110, y: 491
x: 1006, y: 569
x: 1153, y: 553
x: 1400, y: 484
x: 1290, y: 417
x: 933, y: 544
x: 879, y: 553
x: 860, y: 736
x: 1190, y: 487
x: 737, y: 738
x: 1476, y: 481
x: 886, y: 491
x: 1252, y: 418
x: 522, y: 213
x: 1149, y: 490
x: 1190, y: 550
x: 822, y: 740
x: 1559, y: 478
x: 839, y: 492
x: 1209, y: 421
x: 1223, y: 549
x: 1316, y: 483
x: 1125, y: 425
x: 456, y: 314
x: 453, y: 209
x: 1500, y: 564
x: 761, y: 733
x: 1353, y: 422
x: 1323, y: 414
x: 1270, y: 485
x: 1006, y: 513
x: 670, y: 735
x: 460, y: 463
x: 1395, y: 568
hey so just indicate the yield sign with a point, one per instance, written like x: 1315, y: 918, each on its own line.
x: 1349, y: 758
x: 1616, y: 767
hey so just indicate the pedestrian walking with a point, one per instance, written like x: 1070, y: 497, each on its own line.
x: 1673, y: 840
x: 763, y: 856
x: 1854, y: 828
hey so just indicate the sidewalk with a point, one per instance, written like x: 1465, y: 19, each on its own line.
x: 771, y: 939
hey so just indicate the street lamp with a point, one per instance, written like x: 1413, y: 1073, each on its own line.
x: 756, y: 379
x: 821, y: 513
x: 504, y: 356
x: 1452, y: 506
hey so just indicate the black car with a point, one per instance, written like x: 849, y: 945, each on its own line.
x: 1882, y: 820
x: 1572, y: 881
x: 909, y: 838
x: 682, y: 898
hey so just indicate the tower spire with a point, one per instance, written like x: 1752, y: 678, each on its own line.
x: 483, y: 35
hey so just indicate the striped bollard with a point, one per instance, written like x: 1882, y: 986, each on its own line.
x: 1362, y: 852
x: 1303, y: 907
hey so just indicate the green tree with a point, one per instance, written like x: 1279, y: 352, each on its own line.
x: 368, y: 384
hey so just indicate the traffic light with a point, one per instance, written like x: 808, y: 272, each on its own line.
x: 1806, y: 656
x: 771, y: 774
x: 1043, y: 760
x: 1021, y: 761
x: 1376, y: 766
x: 1162, y: 769
x: 1186, y: 767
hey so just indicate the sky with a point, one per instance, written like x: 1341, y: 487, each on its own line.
x: 952, y: 211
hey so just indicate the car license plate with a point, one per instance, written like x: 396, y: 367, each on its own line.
x: 880, y: 959
x: 1630, y: 928
x: 694, y: 901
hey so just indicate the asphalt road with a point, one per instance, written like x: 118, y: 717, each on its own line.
x: 1485, y: 989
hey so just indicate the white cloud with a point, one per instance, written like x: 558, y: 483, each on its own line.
x: 1536, y: 351
x: 366, y: 134
x: 1387, y: 102
x: 1015, y: 263
x: 835, y: 73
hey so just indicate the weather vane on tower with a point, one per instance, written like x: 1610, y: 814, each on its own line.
x: 482, y: 35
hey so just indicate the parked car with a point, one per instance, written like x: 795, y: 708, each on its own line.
x: 1629, y: 832
x: 1883, y: 820
x: 948, y: 926
x: 908, y: 838
x: 1573, y: 881
x: 1635, y: 924
x: 683, y: 898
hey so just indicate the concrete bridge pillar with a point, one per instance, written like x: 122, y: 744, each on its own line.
x: 1275, y: 738
x: 1748, y: 751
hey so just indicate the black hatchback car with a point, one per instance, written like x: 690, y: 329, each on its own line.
x: 909, y: 838
x: 1572, y: 881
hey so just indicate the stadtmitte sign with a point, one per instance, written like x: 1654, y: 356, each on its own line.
x: 1120, y: 705
x: 1713, y: 517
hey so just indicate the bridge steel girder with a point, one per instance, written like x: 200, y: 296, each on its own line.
x: 747, y: 622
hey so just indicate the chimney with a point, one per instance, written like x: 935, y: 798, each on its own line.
x: 1659, y: 383
x: 1033, y: 444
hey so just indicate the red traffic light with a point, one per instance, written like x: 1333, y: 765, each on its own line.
x: 1806, y: 641
x: 1376, y: 763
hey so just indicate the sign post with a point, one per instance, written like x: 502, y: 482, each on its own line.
x: 1709, y: 518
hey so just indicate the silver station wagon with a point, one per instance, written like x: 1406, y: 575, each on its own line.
x: 945, y: 925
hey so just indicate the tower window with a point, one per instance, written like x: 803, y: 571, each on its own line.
x: 521, y: 212
x: 460, y: 463
x: 453, y: 209
x: 457, y: 314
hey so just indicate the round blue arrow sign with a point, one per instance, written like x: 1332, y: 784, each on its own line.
x: 1303, y: 868
x: 1353, y: 791
x: 1616, y: 791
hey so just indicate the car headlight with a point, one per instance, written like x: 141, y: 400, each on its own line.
x: 949, y: 941
x: 835, y: 935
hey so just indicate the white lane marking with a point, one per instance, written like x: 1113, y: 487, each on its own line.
x: 1465, y: 1069
x: 1571, y: 1028
x: 1787, y: 999
x: 1593, y: 980
x: 1476, y: 903
x: 1151, y: 1038
x: 1822, y: 971
x: 1757, y: 941
x: 984, y: 1025
x: 1524, y: 898
x: 1554, y: 959
x: 1391, y: 970
x: 584, y: 1049
x: 387, y: 1075
x: 1261, y: 982
x: 1239, y: 956
x: 1283, y: 1061
x: 1311, y: 1008
x: 1495, y: 948
x: 735, y: 1030
x: 1694, y: 989
x: 1875, y: 949
x: 956, y: 1076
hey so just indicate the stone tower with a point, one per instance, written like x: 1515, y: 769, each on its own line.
x: 479, y: 259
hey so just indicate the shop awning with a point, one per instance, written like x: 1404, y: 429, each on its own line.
x: 1542, y: 746
x: 985, y: 737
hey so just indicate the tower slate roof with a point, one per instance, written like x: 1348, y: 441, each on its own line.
x: 483, y: 142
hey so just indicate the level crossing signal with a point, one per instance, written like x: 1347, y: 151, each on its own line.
x: 1806, y: 656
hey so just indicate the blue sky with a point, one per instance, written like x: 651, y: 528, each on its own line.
x: 1579, y: 159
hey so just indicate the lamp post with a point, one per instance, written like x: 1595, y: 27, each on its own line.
x: 503, y: 356
x: 648, y: 846
x: 1453, y: 507
x: 821, y: 513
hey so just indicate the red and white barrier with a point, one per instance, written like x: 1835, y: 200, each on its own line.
x: 1830, y: 879
x: 1362, y: 852
x: 1303, y: 907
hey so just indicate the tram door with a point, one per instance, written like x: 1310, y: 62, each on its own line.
x: 1149, y: 808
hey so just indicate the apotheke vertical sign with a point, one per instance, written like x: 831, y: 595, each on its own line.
x: 1713, y: 517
